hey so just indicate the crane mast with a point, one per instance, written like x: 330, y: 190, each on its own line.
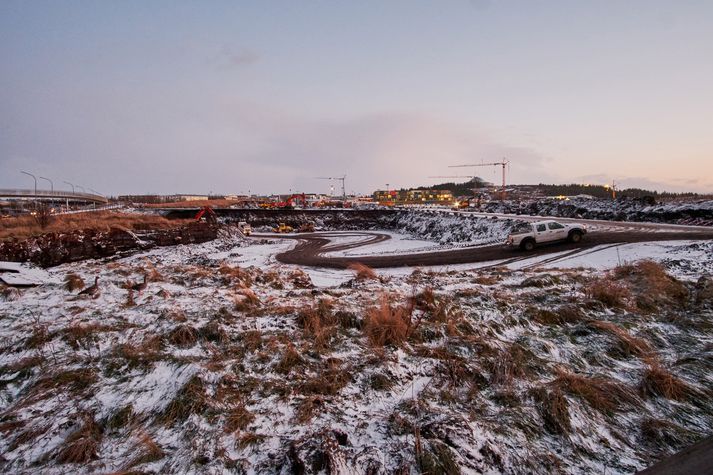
x: 504, y: 163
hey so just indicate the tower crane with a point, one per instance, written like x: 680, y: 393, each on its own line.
x: 338, y: 178
x: 503, y: 163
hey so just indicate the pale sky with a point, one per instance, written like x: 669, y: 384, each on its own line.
x: 170, y: 96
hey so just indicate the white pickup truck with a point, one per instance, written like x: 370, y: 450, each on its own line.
x: 528, y: 235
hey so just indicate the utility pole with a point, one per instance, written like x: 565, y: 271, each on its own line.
x: 51, y: 187
x: 67, y: 199
x: 34, y: 178
x: 503, y: 163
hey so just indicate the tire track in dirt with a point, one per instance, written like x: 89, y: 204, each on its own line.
x: 310, y: 248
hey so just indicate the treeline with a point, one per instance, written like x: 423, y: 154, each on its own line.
x: 460, y: 189
x: 601, y: 191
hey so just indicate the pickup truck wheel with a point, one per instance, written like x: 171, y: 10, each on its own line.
x: 527, y: 245
x: 575, y: 236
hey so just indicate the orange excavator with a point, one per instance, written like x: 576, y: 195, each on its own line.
x: 290, y: 202
x: 210, y: 216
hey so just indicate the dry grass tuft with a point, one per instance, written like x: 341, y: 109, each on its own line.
x: 652, y: 285
x: 609, y: 292
x: 329, y: 380
x: 120, y: 418
x: 627, y: 344
x: 388, y: 324
x: 152, y: 274
x: 300, y: 279
x: 148, y: 351
x: 252, y: 340
x: 82, y: 445
x: 308, y: 407
x: 437, y: 458
x: 362, y: 272
x: 191, y: 399
x: 560, y: 316
x: 148, y: 450
x: 657, y: 381
x: 246, y: 300
x: 515, y: 361
x: 130, y: 302
x: 601, y: 393
x: 289, y: 359
x: 214, y: 332
x: 235, y: 274
x: 238, y: 419
x: 660, y: 434
x: 248, y: 439
x: 319, y: 324
x: 183, y: 335
x: 73, y: 282
x: 81, y: 336
x: 553, y: 408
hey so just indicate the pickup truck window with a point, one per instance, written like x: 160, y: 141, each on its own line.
x: 541, y: 228
x: 555, y: 226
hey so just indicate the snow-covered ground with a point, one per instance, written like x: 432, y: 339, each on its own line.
x: 231, y: 362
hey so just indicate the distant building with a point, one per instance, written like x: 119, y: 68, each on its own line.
x: 189, y: 197
x: 415, y: 196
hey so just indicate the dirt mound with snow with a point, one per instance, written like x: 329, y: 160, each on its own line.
x: 52, y: 249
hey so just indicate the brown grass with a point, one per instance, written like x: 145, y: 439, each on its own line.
x: 78, y: 335
x: 559, y: 316
x: 238, y: 419
x: 553, y: 408
x: 25, y: 226
x: 183, y: 336
x: 148, y: 351
x: 235, y: 274
x: 308, y: 407
x: 248, y: 439
x: 609, y: 292
x: 252, y: 340
x: 362, y: 272
x: 191, y: 399
x: 319, y: 324
x: 148, y: 450
x: 290, y: 358
x: 652, y: 285
x: 388, y: 324
x: 246, y: 300
x: 657, y: 381
x: 329, y: 380
x: 601, y: 393
x: 82, y: 445
x: 515, y: 361
x: 214, y: 332
x: 73, y: 282
x: 627, y: 345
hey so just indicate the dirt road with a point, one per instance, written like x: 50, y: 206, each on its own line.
x: 311, y: 248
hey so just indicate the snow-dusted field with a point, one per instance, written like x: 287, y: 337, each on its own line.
x: 230, y: 362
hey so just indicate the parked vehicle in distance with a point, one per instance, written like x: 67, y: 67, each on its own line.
x: 529, y: 235
x: 245, y: 228
x: 283, y: 228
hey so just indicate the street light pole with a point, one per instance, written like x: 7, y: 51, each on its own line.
x: 34, y: 178
x: 67, y: 199
x: 51, y: 183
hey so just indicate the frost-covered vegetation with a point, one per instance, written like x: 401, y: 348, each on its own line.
x: 214, y: 367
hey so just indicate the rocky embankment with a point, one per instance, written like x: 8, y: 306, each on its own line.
x: 693, y: 213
